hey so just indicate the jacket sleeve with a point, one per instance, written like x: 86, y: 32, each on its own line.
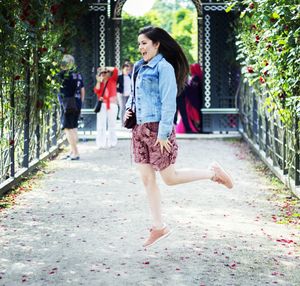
x: 168, y: 93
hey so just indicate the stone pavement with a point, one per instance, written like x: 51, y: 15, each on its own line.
x: 85, y: 223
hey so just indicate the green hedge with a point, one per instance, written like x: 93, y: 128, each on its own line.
x: 267, y: 39
x: 34, y: 35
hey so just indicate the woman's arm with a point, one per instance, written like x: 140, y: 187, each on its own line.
x: 114, y: 71
x: 82, y: 94
x: 168, y: 93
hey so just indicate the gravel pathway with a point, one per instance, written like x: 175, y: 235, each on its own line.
x: 85, y: 223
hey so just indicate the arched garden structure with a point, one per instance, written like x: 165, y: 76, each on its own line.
x: 101, y: 34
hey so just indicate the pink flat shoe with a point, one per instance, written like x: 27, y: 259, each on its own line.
x: 221, y: 176
x: 156, y: 235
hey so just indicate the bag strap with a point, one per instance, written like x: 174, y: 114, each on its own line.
x: 104, y: 89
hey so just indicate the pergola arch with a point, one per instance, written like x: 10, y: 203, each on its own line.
x: 102, y: 28
x: 117, y: 17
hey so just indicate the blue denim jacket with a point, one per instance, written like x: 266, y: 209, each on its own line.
x: 155, y: 94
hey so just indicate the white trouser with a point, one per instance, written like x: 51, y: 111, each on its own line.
x: 123, y: 105
x: 106, y: 126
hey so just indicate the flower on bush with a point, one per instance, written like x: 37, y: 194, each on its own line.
x: 42, y: 50
x: 268, y: 46
x: 251, y: 5
x: 282, y: 96
x: 257, y: 38
x: 250, y: 70
x: 262, y: 79
x: 54, y: 9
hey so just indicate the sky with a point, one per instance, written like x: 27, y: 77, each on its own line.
x: 138, y: 7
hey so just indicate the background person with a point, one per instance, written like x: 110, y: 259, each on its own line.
x: 130, y: 64
x: 106, y: 136
x: 156, y: 78
x: 189, y: 103
x: 123, y: 88
x: 71, y: 86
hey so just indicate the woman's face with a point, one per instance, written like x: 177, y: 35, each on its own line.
x: 105, y: 75
x: 147, y: 48
x: 126, y: 70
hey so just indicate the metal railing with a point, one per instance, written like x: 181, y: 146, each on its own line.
x: 28, y: 133
x: 277, y: 145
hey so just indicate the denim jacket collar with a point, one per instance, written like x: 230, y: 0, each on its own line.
x: 153, y: 62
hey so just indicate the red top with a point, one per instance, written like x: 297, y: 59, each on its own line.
x: 111, y: 88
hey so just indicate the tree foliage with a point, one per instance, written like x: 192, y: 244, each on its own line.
x: 180, y: 20
x: 33, y: 35
x: 130, y: 28
x: 268, y: 38
x: 184, y: 30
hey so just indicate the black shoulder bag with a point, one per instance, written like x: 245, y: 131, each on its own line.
x: 130, y: 122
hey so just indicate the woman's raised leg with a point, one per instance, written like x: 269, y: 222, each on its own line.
x: 172, y: 176
x: 216, y: 173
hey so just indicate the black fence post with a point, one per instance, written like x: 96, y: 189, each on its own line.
x: 48, y: 142
x: 297, y: 167
x: 12, y: 130
x: 38, y: 137
x: 255, y: 118
x: 54, y: 126
x: 267, y: 139
x: 284, y: 152
x: 27, y: 115
x: 260, y: 132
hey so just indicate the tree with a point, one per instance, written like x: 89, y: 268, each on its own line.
x: 180, y: 22
x: 184, y: 30
x: 130, y: 28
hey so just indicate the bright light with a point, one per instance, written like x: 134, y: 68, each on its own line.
x: 138, y: 7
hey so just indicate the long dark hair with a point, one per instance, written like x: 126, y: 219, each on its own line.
x: 171, y: 51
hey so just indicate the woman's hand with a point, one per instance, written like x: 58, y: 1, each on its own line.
x: 127, y: 114
x: 164, y: 144
x: 99, y: 78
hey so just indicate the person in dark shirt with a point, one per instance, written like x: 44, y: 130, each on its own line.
x: 123, y: 88
x: 71, y: 86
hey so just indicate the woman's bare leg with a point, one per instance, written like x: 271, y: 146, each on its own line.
x: 72, y: 139
x: 75, y: 130
x: 75, y: 141
x: 153, y: 193
x: 171, y: 176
